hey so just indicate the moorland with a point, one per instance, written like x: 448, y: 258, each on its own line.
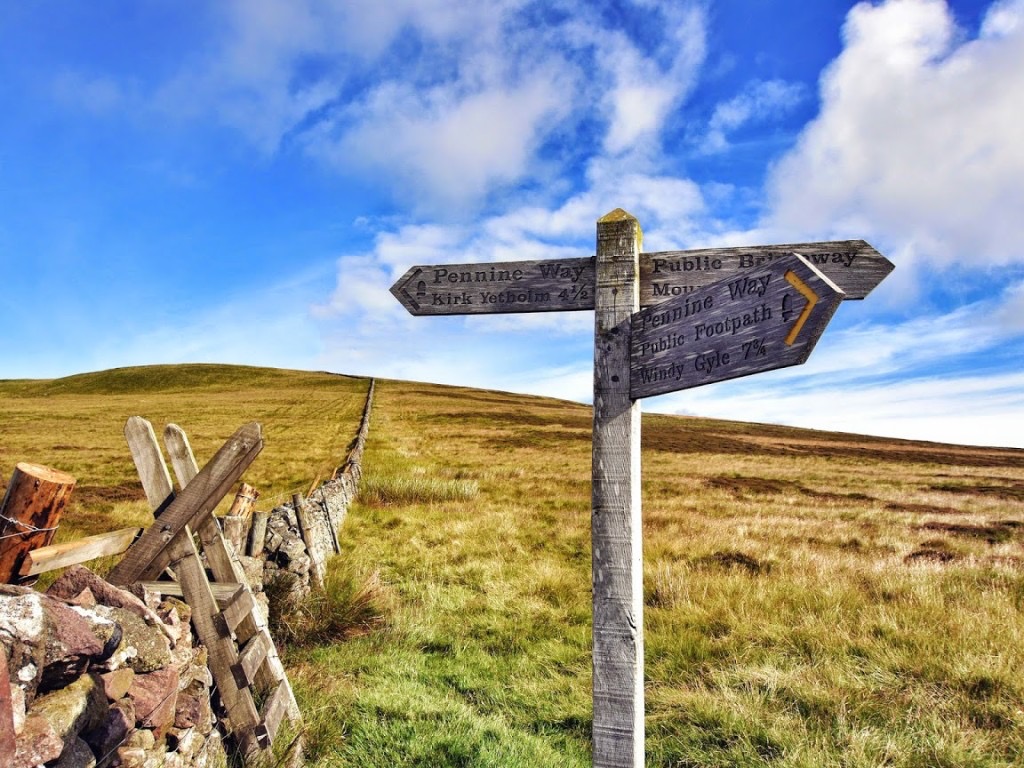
x: 811, y: 599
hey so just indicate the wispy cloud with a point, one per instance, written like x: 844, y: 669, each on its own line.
x: 760, y: 101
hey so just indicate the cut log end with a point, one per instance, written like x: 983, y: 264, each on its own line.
x: 45, y: 474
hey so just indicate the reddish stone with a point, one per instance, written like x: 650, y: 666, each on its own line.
x: 155, y: 698
x: 117, y: 683
x: 38, y: 743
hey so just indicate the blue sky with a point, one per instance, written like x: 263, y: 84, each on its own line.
x: 242, y: 182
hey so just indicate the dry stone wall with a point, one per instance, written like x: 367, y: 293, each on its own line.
x: 295, y: 551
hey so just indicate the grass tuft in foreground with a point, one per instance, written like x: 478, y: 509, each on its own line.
x: 351, y: 603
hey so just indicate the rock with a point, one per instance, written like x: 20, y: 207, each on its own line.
x: 176, y: 615
x: 107, y: 630
x: 85, y: 599
x: 193, y: 707
x: 155, y: 697
x: 292, y: 549
x: 143, y: 648
x: 78, y: 707
x: 116, y: 684
x: 37, y: 743
x: 113, y: 730
x: 76, y: 754
x: 48, y: 643
x: 131, y: 757
x: 77, y: 578
x: 300, y: 565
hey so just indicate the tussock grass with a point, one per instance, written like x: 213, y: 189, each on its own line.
x: 394, y: 478
x: 349, y: 604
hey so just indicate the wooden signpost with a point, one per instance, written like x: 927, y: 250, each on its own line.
x: 709, y: 315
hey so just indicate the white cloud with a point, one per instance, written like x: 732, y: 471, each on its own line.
x: 442, y: 146
x: 639, y: 85
x: 918, y: 140
x: 760, y: 101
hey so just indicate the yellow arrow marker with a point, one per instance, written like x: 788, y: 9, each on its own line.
x: 812, y: 299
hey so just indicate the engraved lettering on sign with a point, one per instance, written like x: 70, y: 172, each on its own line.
x: 560, y: 271
x: 748, y: 260
x: 492, y: 275
x: 732, y: 325
x: 514, y: 297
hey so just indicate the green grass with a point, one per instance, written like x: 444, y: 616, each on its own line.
x: 811, y: 599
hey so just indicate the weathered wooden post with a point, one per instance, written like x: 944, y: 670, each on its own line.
x: 30, y: 512
x: 236, y: 521
x: 618, y: 692
x: 316, y: 573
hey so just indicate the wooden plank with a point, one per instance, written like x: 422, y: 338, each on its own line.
x: 251, y: 658
x: 239, y: 606
x: 234, y: 530
x: 149, y: 462
x: 81, y: 551
x: 765, y: 318
x: 224, y: 594
x: 179, y: 451
x: 148, y: 556
x: 30, y: 513
x: 276, y: 709
x: 618, y: 692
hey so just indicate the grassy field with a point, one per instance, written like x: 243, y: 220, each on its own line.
x: 811, y: 599
x: 76, y: 424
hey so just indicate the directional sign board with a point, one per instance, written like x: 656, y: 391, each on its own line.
x: 513, y: 286
x: 761, y: 319
x: 568, y: 284
x: 853, y: 265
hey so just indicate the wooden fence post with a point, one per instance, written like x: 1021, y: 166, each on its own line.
x: 236, y: 522
x: 618, y: 696
x: 30, y: 512
x: 315, y: 566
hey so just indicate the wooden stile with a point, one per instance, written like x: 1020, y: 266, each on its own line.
x: 30, y: 513
x: 183, y: 558
x: 226, y: 568
x: 149, y: 556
